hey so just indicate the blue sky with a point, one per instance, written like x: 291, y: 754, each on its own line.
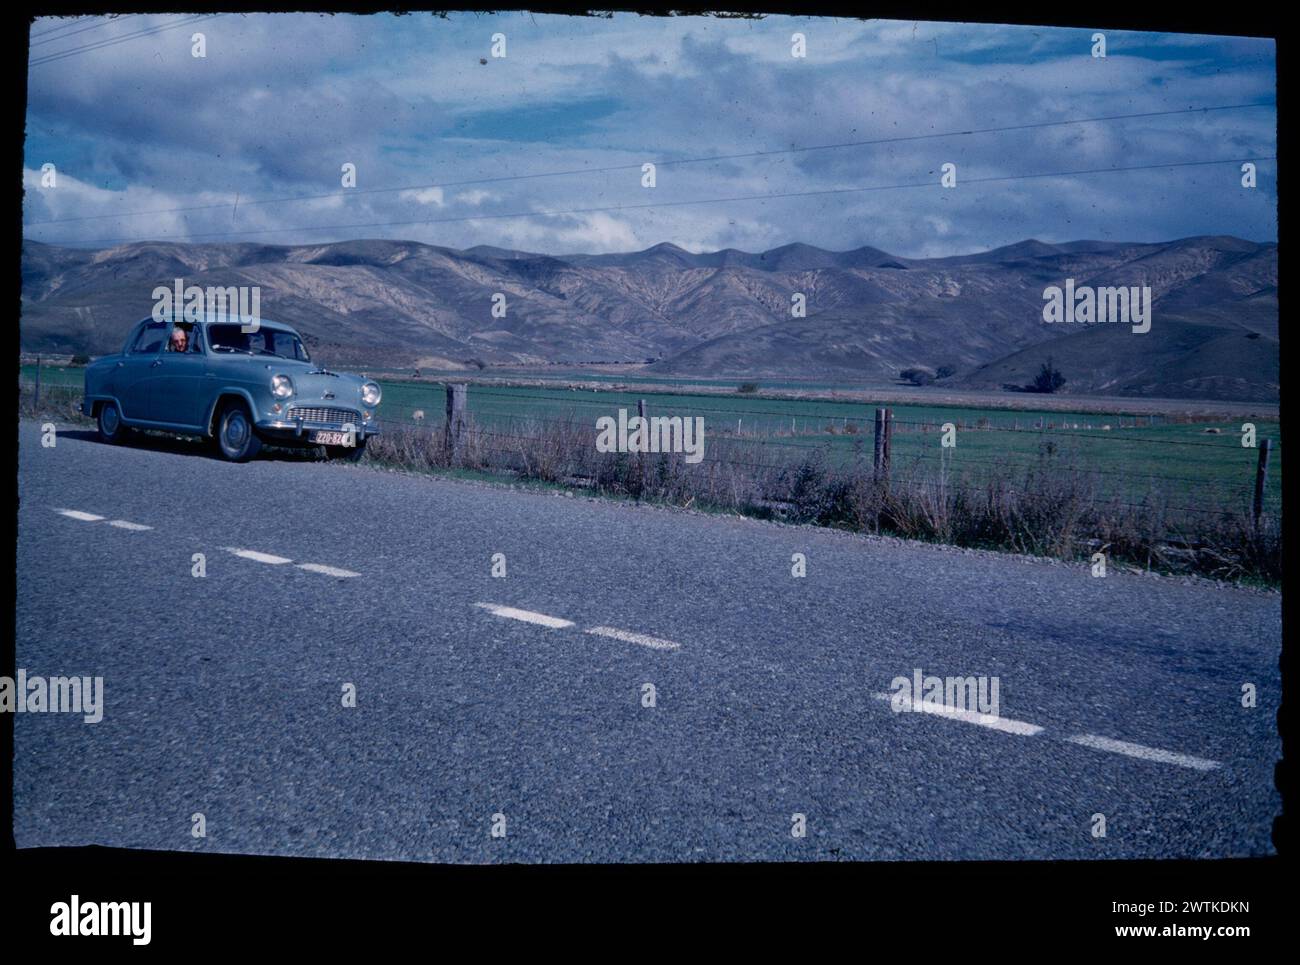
x: 282, y: 101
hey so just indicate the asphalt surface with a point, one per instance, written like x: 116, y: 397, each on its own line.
x: 223, y: 693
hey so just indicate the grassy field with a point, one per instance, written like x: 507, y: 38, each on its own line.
x: 643, y: 378
x: 1193, y: 467
x: 634, y: 375
x: 1133, y: 457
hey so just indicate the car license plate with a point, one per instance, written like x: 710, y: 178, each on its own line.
x: 326, y: 437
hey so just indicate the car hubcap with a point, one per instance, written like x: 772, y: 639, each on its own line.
x: 236, y: 431
x: 109, y: 419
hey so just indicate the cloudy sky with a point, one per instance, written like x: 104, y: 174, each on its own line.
x: 456, y: 147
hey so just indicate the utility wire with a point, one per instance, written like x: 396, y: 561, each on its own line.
x: 148, y: 31
x: 71, y: 22
x: 663, y: 163
x: 674, y: 204
x: 80, y: 30
x: 65, y: 25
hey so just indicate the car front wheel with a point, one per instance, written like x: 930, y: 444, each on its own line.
x: 237, y: 440
x: 111, y: 429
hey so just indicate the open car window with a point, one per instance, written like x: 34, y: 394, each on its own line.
x: 192, y: 343
x: 151, y: 338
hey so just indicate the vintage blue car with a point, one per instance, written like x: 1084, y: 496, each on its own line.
x: 239, y: 384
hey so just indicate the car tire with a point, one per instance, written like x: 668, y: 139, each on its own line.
x: 346, y: 453
x: 109, y: 423
x: 237, y: 439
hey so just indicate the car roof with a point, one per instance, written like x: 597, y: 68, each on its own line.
x: 227, y: 319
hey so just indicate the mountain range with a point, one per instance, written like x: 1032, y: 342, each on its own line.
x: 869, y: 314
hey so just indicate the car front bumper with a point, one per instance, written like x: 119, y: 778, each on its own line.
x: 298, y: 429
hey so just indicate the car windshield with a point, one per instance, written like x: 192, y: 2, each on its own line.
x: 265, y: 341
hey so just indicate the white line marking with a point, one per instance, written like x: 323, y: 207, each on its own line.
x: 969, y: 716
x: 327, y: 570
x: 123, y: 524
x: 78, y: 514
x: 1145, y: 753
x: 528, y: 616
x: 260, y: 557
x: 628, y: 637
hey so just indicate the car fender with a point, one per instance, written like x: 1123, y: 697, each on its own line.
x: 89, y: 401
x: 97, y: 383
x: 222, y: 392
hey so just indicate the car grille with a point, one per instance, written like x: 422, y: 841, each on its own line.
x: 324, y: 415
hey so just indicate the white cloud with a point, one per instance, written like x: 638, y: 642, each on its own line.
x: 475, y: 198
x: 283, y: 100
x: 424, y: 196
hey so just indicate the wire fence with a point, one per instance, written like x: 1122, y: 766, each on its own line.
x: 1203, y: 469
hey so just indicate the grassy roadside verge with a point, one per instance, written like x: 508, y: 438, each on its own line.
x: 1053, y: 508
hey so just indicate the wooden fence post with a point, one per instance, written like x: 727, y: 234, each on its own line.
x: 884, y: 440
x: 455, y: 430
x: 645, y: 430
x: 1261, y: 477
x: 889, y: 439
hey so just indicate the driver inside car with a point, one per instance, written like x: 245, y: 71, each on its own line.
x: 179, y: 341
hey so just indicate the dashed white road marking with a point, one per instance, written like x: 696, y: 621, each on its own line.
x: 1085, y: 740
x: 274, y: 560
x: 1003, y: 724
x: 639, y: 638
x: 527, y: 616
x: 1145, y: 753
x: 327, y: 570
x: 250, y: 554
x: 92, y: 518
x: 260, y: 557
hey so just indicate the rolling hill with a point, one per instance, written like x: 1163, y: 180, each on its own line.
x: 869, y: 314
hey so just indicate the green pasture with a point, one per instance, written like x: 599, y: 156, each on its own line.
x: 1192, y: 468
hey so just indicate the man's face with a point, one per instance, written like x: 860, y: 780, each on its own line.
x: 179, y: 340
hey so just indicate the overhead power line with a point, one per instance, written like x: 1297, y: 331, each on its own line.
x: 659, y: 163
x: 675, y: 204
x: 113, y: 41
x: 69, y: 23
x: 94, y: 26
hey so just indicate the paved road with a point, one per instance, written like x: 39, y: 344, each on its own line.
x: 223, y: 693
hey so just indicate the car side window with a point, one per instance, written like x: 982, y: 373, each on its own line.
x: 151, y: 339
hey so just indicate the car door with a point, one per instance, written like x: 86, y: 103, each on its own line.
x: 138, y: 373
x: 179, y: 395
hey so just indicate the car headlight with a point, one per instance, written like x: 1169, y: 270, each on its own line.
x: 370, y: 393
x: 281, y: 386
